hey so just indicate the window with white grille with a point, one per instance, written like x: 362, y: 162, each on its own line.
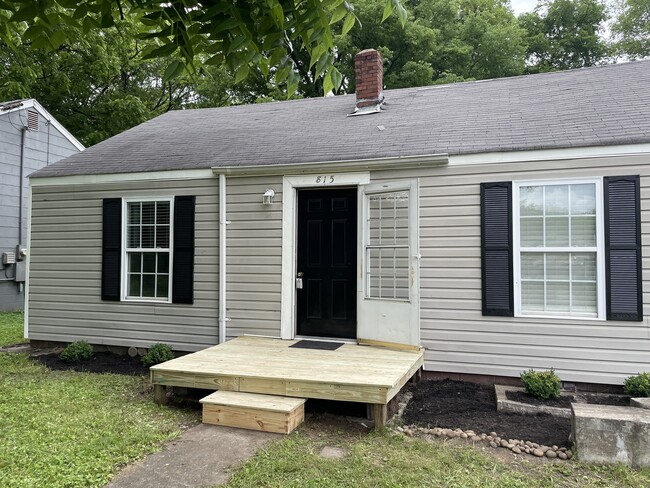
x: 557, y: 234
x: 148, y: 245
x: 387, y: 246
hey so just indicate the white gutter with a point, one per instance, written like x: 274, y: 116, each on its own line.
x: 402, y: 162
x: 222, y: 259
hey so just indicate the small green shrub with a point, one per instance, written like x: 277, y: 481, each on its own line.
x: 542, y: 384
x: 638, y: 385
x: 77, y: 351
x: 158, y: 353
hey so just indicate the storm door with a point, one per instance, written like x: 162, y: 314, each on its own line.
x: 389, y: 294
x: 326, y: 262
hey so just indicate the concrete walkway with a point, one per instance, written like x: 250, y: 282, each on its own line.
x: 202, y: 456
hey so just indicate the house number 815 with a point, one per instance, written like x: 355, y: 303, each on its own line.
x: 325, y: 180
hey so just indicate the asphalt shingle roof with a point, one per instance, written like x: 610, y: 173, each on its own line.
x: 604, y: 105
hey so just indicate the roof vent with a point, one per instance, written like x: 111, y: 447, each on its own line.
x: 32, y: 120
x: 368, y: 72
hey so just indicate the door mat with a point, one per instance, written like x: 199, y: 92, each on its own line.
x: 321, y: 345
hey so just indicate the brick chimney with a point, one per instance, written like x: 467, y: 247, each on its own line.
x: 368, y: 72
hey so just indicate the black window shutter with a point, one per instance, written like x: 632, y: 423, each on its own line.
x: 623, y: 248
x: 111, y: 248
x: 183, y: 269
x: 496, y: 249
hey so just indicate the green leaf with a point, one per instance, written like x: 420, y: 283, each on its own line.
x: 41, y: 42
x: 402, y: 14
x: 80, y: 12
x: 292, y: 83
x: 58, y: 38
x: 26, y: 14
x: 216, y: 59
x: 328, y: 85
x: 277, y: 12
x: 349, y: 23
x: 174, y: 70
x: 338, y: 14
x: 282, y: 73
x: 241, y: 73
x: 337, y: 78
x: 159, y: 52
x: 388, y: 10
x: 237, y: 43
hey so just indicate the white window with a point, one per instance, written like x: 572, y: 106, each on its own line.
x: 387, y: 245
x: 147, y: 245
x: 558, y: 244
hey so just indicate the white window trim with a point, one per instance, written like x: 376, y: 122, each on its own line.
x: 600, y: 248
x: 124, y: 267
x: 290, y: 186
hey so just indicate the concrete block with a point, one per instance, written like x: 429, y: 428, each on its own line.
x: 608, y: 435
x: 640, y: 402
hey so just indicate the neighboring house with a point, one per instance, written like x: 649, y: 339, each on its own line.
x: 30, y: 139
x: 499, y: 224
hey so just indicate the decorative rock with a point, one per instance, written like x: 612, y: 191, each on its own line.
x: 142, y: 351
x: 528, y: 443
x: 538, y: 453
x: 534, y: 445
x: 132, y: 351
x: 476, y: 438
x: 463, y: 435
x: 555, y: 448
x: 551, y: 454
x: 562, y: 455
x: 569, y: 454
x: 516, y: 450
x: 483, y: 437
x: 504, y: 443
x: 493, y: 434
x: 493, y: 444
x: 510, y: 446
x: 400, y: 429
x: 544, y: 448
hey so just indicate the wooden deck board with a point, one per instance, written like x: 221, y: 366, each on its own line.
x: 269, y: 366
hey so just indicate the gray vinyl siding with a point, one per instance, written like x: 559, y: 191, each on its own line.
x: 65, y: 270
x: 42, y: 147
x: 66, y: 266
x: 254, y: 256
x: 455, y: 334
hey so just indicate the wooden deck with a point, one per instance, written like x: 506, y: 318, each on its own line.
x: 353, y: 373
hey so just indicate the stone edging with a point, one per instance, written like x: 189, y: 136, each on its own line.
x: 505, y: 405
x: 492, y: 439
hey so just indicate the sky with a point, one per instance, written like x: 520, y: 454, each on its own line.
x: 520, y: 6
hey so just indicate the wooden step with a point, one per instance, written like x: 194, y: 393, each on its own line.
x: 268, y: 413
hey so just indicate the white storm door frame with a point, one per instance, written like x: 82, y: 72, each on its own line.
x: 390, y: 321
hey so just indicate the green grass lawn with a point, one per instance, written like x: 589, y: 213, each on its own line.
x: 67, y: 429
x: 378, y: 460
x: 11, y: 328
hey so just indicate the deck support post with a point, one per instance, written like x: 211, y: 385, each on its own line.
x: 379, y: 414
x: 160, y: 394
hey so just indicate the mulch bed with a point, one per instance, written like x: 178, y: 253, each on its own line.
x: 464, y: 405
x: 100, y: 362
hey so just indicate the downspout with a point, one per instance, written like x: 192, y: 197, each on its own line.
x: 222, y: 259
x: 22, y: 184
x: 21, y: 191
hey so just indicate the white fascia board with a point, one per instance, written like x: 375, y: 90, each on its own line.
x: 33, y: 103
x: 357, y: 165
x: 184, y: 174
x: 550, y: 154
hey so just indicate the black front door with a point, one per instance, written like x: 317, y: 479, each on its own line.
x: 327, y: 259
